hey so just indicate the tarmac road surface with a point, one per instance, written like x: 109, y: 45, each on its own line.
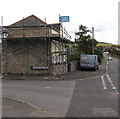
x: 51, y: 96
x: 96, y: 97
x: 76, y: 96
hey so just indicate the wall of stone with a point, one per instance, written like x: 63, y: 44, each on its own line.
x: 59, y: 69
x: 20, y: 54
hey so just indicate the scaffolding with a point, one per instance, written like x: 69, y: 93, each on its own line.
x: 50, y: 35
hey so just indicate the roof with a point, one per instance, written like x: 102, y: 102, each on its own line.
x: 36, y: 23
x: 29, y: 21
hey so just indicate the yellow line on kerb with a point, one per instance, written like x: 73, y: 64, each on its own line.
x: 93, y: 77
x: 97, y: 75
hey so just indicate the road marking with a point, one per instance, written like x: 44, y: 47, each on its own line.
x: 103, y: 82
x: 48, y: 87
x: 94, y: 77
x: 114, y: 88
x: 17, y: 86
x: 117, y: 92
x: 110, y: 81
x: 107, y: 66
x: 105, y: 87
x: 59, y: 88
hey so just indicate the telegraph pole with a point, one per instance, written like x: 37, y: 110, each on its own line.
x: 1, y: 29
x: 93, y: 40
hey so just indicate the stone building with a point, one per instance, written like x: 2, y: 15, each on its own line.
x: 34, y: 47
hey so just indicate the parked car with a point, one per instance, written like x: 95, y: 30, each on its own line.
x: 109, y: 58
x: 89, y: 62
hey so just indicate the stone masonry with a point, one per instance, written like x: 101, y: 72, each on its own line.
x: 21, y: 54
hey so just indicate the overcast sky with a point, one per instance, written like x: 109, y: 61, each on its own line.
x: 100, y: 14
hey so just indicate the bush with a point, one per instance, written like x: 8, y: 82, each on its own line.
x: 99, y: 52
x: 75, y: 56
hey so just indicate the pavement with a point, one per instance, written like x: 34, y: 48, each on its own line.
x: 21, y: 109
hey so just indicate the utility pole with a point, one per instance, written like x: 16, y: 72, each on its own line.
x: 1, y: 70
x: 1, y: 29
x: 1, y: 66
x: 93, y: 39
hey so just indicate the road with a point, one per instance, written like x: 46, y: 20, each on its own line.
x: 96, y: 97
x: 51, y: 96
x: 91, y: 97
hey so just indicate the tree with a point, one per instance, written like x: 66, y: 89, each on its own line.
x: 84, y: 40
x: 85, y: 44
x: 99, y: 53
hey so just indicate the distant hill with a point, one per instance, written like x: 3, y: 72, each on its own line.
x: 105, y: 44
